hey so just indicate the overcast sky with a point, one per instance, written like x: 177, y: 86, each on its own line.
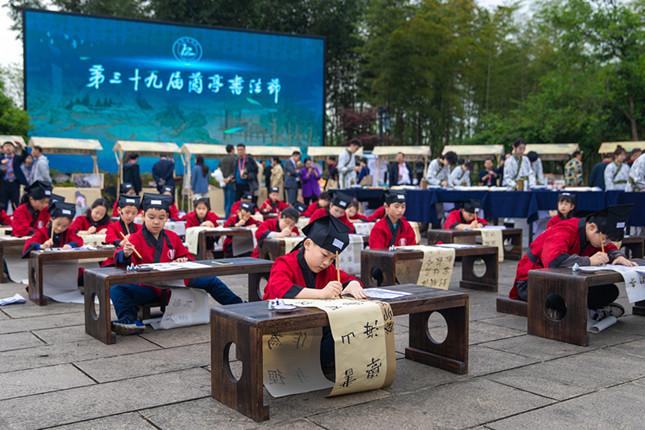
x: 12, y: 47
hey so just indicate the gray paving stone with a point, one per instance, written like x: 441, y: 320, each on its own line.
x: 18, y: 341
x: 101, y: 400
x: 48, y: 355
x: 30, y: 309
x: 572, y: 376
x: 127, y: 421
x: 635, y: 348
x: 179, y: 336
x: 59, y: 335
x: 483, y: 360
x: 41, y: 380
x: 3, y: 316
x: 536, y: 347
x: 508, y: 321
x: 480, y: 332
x: 147, y: 363
x: 412, y: 376
x: 617, y: 408
x: 452, y: 406
x: 41, y: 322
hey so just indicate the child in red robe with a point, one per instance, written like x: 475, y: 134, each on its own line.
x: 465, y: 218
x: 33, y: 211
x: 393, y: 229
x: 273, y: 204
x: 284, y: 226
x: 242, y: 218
x: 201, y: 215
x: 566, y: 207
x: 95, y: 220
x: 337, y: 209
x: 57, y: 233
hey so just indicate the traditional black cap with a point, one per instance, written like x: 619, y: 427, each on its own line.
x: 328, y: 233
x: 39, y: 190
x: 274, y: 190
x: 395, y: 197
x: 341, y: 200
x: 62, y: 209
x: 247, y: 206
x: 471, y: 206
x: 125, y: 187
x: 129, y: 201
x: 569, y: 197
x: 204, y: 200
x: 290, y: 213
x: 55, y: 198
x: 168, y: 189
x: 300, y: 207
x: 155, y: 201
x: 247, y: 196
x: 612, y: 221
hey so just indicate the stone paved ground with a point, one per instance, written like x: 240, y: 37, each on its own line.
x: 52, y: 375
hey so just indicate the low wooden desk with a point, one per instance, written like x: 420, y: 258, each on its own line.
x: 471, y: 236
x: 573, y: 288
x: 386, y: 261
x: 7, y: 243
x: 99, y: 281
x: 246, y: 323
x: 38, y: 259
x: 634, y: 246
x: 202, y: 239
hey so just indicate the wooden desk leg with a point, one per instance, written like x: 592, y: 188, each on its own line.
x: 488, y: 281
x: 452, y: 353
x: 254, y: 293
x: 98, y: 326
x: 245, y: 395
x: 516, y: 251
x: 35, y: 274
x: 385, y: 263
x: 201, y: 246
x: 3, y: 276
x: 572, y: 328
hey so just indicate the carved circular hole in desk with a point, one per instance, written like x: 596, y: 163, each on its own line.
x: 479, y: 268
x: 508, y: 245
x: 437, y: 329
x: 95, y: 307
x: 555, y: 308
x: 233, y: 367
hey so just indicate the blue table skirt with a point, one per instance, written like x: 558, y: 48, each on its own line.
x: 505, y: 204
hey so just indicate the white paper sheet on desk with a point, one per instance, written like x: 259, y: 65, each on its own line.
x: 60, y: 281
x: 187, y: 306
x: 634, y: 278
x: 456, y: 245
x: 166, y: 267
x: 382, y: 293
x: 93, y: 239
x: 17, y: 268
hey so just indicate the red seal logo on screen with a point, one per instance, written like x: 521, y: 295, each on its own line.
x: 187, y: 50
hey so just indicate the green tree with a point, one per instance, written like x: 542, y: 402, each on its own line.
x: 13, y: 120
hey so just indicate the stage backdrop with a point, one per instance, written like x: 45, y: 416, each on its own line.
x: 112, y: 79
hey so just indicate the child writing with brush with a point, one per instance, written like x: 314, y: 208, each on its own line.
x: 57, y: 233
x: 118, y: 231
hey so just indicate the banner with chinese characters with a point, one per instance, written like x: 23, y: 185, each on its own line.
x: 115, y: 79
x: 434, y: 270
x: 493, y: 237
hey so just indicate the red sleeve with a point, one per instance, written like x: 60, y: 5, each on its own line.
x: 559, y: 244
x: 281, y: 279
x: 174, y: 213
x: 553, y: 221
x: 191, y: 220
x: 378, y: 214
x: 112, y: 235
x: 318, y: 213
x: 39, y: 237
x: 452, y: 220
x: 73, y: 237
x: 80, y: 223
x: 235, y: 207
x: 21, y: 223
x: 230, y: 222
x: 378, y: 237
x: 348, y: 223
x: 310, y: 209
x: 115, y: 209
x: 361, y: 217
x: 482, y: 221
x: 4, y: 218
x: 212, y: 217
x: 180, y: 250
x: 264, y: 229
x: 282, y: 205
x: 266, y: 205
x: 408, y: 234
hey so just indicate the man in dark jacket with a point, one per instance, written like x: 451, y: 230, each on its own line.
x: 597, y: 175
x: 131, y: 173
x: 227, y: 166
x: 246, y: 173
x: 400, y: 172
x: 163, y: 172
x: 11, y: 175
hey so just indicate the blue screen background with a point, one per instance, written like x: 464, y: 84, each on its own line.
x: 63, y: 100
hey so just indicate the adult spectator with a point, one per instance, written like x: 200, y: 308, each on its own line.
x: 246, y: 173
x: 362, y: 172
x: 132, y: 173
x: 292, y: 177
x: 277, y: 176
x: 163, y: 172
x: 331, y: 173
x: 488, y: 176
x: 40, y: 167
x: 633, y: 156
x: 517, y: 166
x: 11, y: 176
x: 227, y: 167
x: 617, y: 172
x: 26, y: 166
x: 347, y: 163
x: 400, y: 171
x: 536, y: 166
x: 199, y: 180
x: 637, y: 174
x: 500, y: 168
x: 597, y: 175
x: 439, y: 169
x: 573, y: 170
x: 309, y: 176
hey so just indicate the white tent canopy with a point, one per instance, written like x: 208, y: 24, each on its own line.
x: 476, y: 152
x: 203, y: 149
x: 261, y: 151
x: 610, y: 147
x: 552, y: 151
x: 328, y: 151
x: 64, y: 145
x: 411, y: 152
x: 9, y: 138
